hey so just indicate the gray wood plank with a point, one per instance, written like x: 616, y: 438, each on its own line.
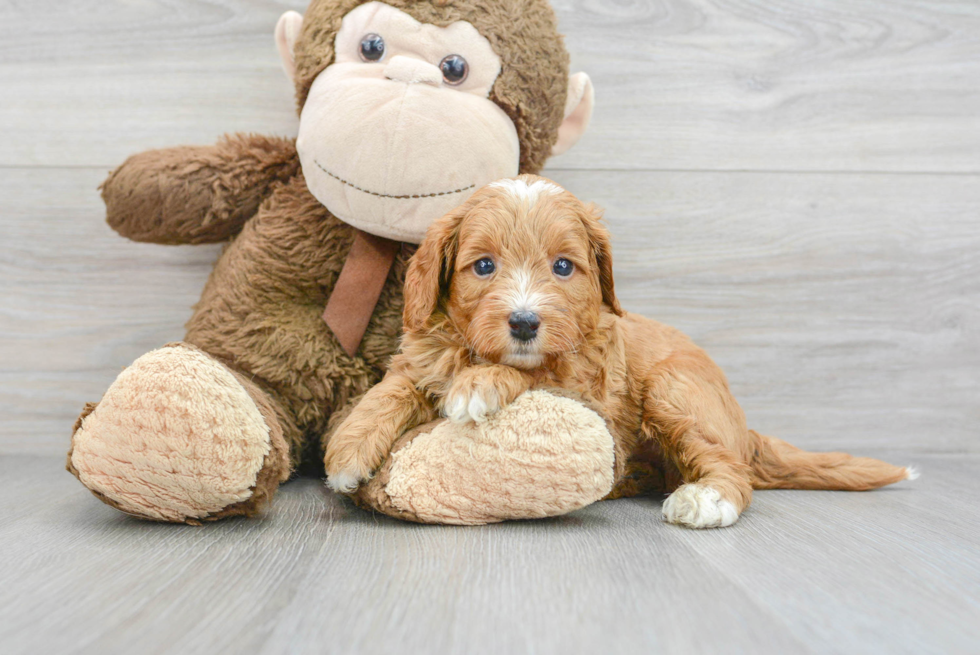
x: 844, y: 308
x: 878, y: 572
x: 820, y: 85
x: 814, y: 85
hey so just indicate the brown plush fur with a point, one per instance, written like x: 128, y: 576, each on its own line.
x: 261, y: 310
x: 260, y: 313
x: 196, y: 194
x: 653, y: 384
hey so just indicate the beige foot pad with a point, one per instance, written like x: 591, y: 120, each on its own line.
x: 175, y: 438
x: 543, y: 455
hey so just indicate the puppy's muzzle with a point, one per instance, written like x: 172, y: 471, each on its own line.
x: 524, y: 325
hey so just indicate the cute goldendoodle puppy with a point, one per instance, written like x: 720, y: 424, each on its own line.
x: 514, y: 290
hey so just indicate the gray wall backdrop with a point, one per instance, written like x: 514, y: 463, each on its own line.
x: 795, y: 183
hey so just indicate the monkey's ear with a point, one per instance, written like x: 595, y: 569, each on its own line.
x: 287, y: 31
x: 430, y: 269
x: 578, y: 112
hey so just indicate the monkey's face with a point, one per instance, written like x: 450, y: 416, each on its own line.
x: 399, y: 129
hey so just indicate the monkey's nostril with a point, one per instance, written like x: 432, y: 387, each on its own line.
x: 524, y: 325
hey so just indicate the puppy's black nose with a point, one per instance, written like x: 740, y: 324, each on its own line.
x: 524, y: 325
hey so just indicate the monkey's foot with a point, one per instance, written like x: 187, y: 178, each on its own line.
x: 542, y: 455
x: 180, y: 437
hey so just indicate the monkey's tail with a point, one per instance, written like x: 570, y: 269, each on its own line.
x: 779, y: 465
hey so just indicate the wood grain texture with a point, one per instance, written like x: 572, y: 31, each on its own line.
x: 802, y: 572
x: 844, y: 308
x: 806, y: 85
x: 814, y: 85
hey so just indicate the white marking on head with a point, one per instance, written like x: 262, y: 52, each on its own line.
x: 523, y: 297
x: 520, y: 189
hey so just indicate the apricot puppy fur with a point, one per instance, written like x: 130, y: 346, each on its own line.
x: 514, y: 290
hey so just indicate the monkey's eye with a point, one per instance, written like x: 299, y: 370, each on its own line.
x: 484, y: 267
x: 454, y: 69
x: 563, y: 267
x: 372, y: 47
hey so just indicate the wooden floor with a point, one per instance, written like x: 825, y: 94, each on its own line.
x: 891, y: 571
x: 794, y: 183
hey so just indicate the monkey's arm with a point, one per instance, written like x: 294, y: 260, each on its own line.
x: 196, y: 194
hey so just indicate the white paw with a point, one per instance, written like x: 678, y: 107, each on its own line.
x: 344, y: 482
x: 475, y: 406
x: 699, y: 506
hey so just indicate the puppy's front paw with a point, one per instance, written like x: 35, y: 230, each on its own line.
x: 347, y: 467
x: 699, y: 506
x: 479, y: 392
x: 472, y: 403
x: 344, y: 482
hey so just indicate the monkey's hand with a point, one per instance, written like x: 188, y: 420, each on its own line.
x: 196, y: 194
x: 480, y: 391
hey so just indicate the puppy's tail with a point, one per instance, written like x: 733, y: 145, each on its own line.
x: 779, y: 465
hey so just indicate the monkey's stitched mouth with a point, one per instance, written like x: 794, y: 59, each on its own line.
x: 385, y: 195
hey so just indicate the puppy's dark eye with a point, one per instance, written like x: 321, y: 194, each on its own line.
x: 454, y: 69
x: 563, y: 267
x: 372, y: 47
x: 484, y: 267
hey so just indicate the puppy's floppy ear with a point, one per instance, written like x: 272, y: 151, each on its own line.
x: 601, y: 246
x: 430, y: 269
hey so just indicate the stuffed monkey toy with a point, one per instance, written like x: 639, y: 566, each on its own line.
x: 406, y: 107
